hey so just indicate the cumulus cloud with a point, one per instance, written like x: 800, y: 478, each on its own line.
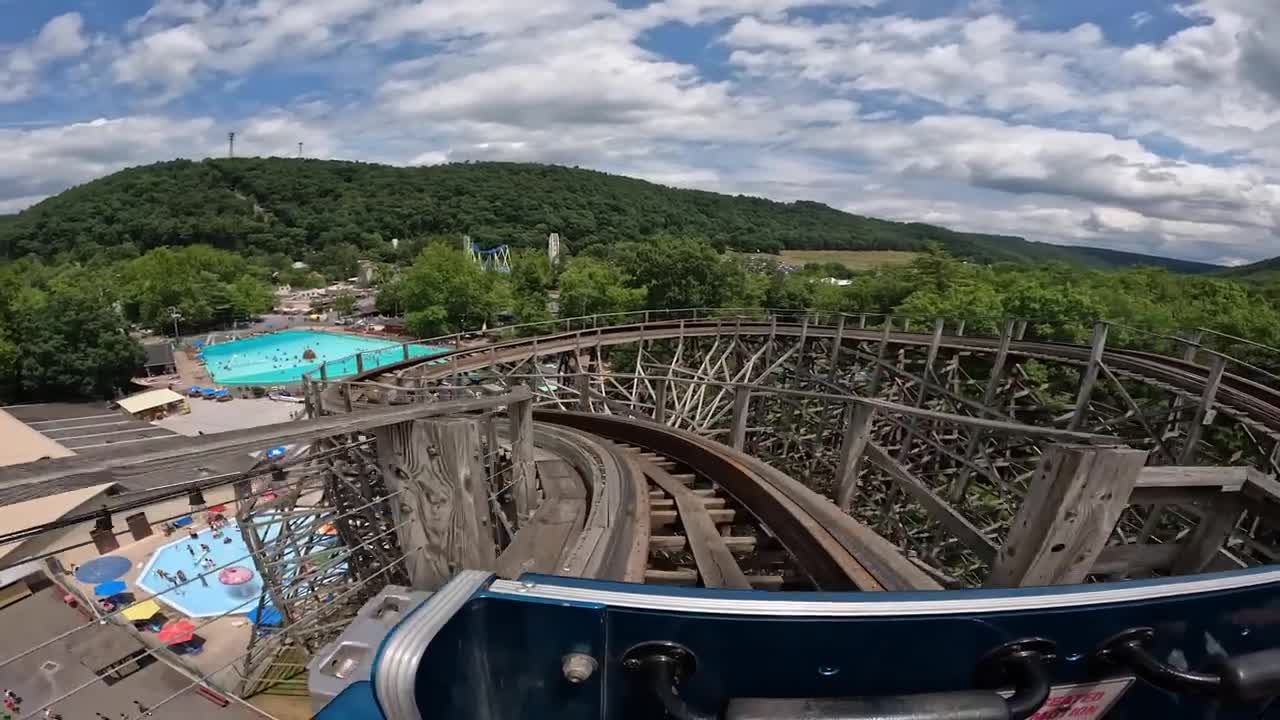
x: 20, y: 66
x: 980, y: 119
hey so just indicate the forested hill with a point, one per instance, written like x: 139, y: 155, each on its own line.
x: 296, y: 206
x: 1264, y: 271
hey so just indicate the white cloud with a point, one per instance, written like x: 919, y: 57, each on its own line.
x: 45, y: 160
x: 20, y: 66
x: 978, y: 119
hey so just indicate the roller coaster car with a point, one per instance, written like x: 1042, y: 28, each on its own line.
x: 549, y: 647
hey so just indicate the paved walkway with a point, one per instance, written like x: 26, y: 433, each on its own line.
x: 190, y: 370
x: 59, y: 668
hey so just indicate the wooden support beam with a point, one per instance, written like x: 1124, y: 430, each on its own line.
x: 927, y: 376
x: 442, y: 507
x: 1193, y: 345
x: 961, y: 481
x: 1090, y: 377
x: 1138, y: 414
x: 1204, y: 411
x: 857, y: 432
x: 836, y: 342
x: 741, y: 408
x: 660, y: 401
x: 1020, y: 329
x: 877, y: 370
x: 938, y: 509
x: 1211, y: 532
x: 1071, y: 507
x: 582, y: 384
x: 524, y: 478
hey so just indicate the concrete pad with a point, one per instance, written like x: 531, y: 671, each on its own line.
x: 208, y: 416
x: 58, y: 668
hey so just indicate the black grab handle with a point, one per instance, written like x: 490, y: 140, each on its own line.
x: 665, y: 666
x: 1242, y: 678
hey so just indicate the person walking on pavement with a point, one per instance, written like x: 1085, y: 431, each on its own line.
x: 142, y: 708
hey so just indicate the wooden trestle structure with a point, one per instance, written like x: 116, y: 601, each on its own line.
x: 742, y: 449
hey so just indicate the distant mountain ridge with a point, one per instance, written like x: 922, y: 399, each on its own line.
x: 293, y: 206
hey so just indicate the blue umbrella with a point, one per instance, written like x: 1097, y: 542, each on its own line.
x: 107, y: 589
x: 100, y: 570
x: 268, y: 617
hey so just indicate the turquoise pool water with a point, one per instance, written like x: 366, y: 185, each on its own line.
x: 198, y: 599
x: 276, y: 359
x: 212, y: 597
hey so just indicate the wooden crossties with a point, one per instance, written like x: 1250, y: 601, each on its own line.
x: 715, y: 562
x: 442, y: 508
x: 1072, y: 505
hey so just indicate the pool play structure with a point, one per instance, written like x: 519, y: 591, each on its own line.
x: 283, y: 357
x: 221, y: 592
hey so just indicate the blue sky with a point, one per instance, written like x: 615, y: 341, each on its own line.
x: 1142, y: 126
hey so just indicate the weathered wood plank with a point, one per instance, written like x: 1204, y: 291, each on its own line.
x: 443, y: 500
x: 675, y: 543
x: 524, y: 480
x: 682, y: 577
x: 1135, y: 559
x: 938, y: 509
x: 715, y: 562
x: 1074, y: 501
x: 1229, y: 478
x: 183, y: 454
x: 550, y: 533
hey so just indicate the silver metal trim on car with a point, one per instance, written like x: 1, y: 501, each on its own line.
x: 396, y: 673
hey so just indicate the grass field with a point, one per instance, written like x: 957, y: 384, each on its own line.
x: 852, y: 259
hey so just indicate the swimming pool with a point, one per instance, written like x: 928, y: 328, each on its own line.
x: 197, y: 599
x: 278, y: 358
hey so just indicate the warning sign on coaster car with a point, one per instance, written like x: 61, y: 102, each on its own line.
x: 1081, y: 701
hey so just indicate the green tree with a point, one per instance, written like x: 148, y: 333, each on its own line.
x: 344, y: 303
x: 682, y: 273
x: 590, y: 287
x: 444, y: 291
x: 74, y: 342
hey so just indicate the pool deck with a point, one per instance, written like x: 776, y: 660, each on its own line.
x: 191, y: 371
x: 225, y: 638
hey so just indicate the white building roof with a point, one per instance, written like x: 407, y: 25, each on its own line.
x: 22, y: 444
x: 149, y: 399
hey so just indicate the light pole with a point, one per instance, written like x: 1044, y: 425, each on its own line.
x: 173, y: 313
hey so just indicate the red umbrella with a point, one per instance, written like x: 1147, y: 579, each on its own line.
x: 176, y: 631
x: 217, y: 508
x: 235, y: 575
